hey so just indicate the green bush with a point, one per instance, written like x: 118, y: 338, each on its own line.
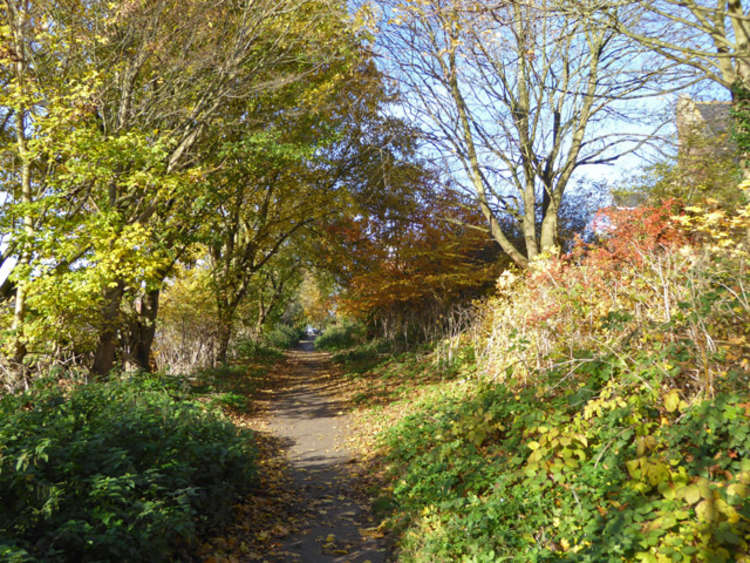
x: 231, y: 401
x: 118, y: 471
x: 600, y: 469
x: 269, y: 347
x: 364, y: 357
x: 340, y: 336
x: 248, y: 350
x: 284, y: 336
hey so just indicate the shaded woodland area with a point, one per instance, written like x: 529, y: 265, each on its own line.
x: 543, y: 364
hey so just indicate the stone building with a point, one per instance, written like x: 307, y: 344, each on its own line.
x: 707, y: 158
x: 703, y: 127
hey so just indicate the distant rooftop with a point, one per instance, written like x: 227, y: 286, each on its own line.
x: 715, y: 115
x: 712, y: 117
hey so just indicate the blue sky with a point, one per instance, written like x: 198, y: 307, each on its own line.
x: 628, y: 167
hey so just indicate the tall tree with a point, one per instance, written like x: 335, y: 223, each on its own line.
x: 125, y: 153
x: 36, y: 72
x: 519, y: 96
x: 404, y: 275
x: 16, y: 30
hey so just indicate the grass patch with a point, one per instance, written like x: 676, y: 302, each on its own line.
x: 364, y: 357
x: 229, y: 388
x: 269, y: 348
x: 248, y: 351
x: 396, y: 378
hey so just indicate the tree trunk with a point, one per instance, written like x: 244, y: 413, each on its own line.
x: 104, y: 359
x: 528, y: 223
x: 476, y: 171
x: 19, y: 316
x: 261, y: 319
x: 19, y: 312
x: 224, y: 336
x: 548, y: 240
x: 143, y: 330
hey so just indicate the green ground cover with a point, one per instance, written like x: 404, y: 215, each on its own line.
x: 128, y: 470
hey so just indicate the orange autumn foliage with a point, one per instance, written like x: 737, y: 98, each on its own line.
x: 424, y: 261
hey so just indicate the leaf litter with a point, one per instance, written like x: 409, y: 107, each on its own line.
x: 311, y: 503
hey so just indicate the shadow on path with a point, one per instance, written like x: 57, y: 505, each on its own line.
x: 313, y: 425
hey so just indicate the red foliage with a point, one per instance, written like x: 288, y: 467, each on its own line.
x: 628, y: 238
x: 631, y: 233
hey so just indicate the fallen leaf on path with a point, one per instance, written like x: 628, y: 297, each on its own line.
x: 371, y: 532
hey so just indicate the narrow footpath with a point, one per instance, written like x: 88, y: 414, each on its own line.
x: 312, y: 425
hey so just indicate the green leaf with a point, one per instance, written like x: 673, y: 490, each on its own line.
x: 737, y: 492
x: 705, y: 511
x: 633, y: 466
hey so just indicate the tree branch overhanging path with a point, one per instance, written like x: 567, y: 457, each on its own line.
x: 140, y: 137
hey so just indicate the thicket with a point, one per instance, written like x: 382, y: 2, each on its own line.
x: 610, y: 417
x: 341, y: 335
x: 283, y: 336
x: 126, y: 470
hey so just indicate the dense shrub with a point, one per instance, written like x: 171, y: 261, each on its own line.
x: 340, y: 335
x: 611, y: 417
x: 284, y: 336
x: 269, y: 347
x: 119, y: 471
x: 660, y: 277
x: 250, y: 350
x: 598, y: 471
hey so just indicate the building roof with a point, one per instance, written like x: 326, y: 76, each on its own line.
x: 707, y: 120
x: 715, y: 115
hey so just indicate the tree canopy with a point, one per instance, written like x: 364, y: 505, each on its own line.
x: 253, y: 145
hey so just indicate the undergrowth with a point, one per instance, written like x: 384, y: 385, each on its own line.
x: 283, y: 336
x: 359, y: 359
x: 604, y: 411
x: 128, y: 470
x: 604, y: 470
x: 340, y: 336
x: 269, y: 347
x: 228, y: 387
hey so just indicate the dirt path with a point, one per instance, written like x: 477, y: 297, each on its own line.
x: 312, y: 424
